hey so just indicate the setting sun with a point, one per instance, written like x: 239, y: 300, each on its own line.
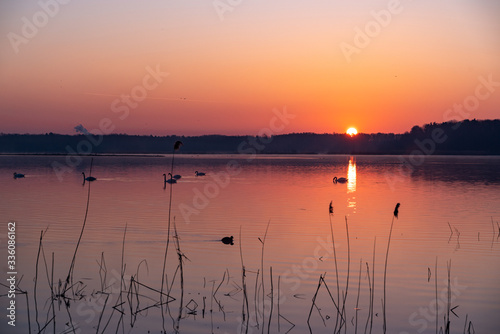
x: 352, y: 132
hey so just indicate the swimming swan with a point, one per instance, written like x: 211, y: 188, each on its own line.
x: 90, y: 178
x: 339, y: 180
x: 171, y: 180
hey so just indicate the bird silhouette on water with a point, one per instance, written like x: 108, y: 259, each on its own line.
x: 88, y: 178
x: 339, y: 180
x: 228, y: 240
x: 171, y: 180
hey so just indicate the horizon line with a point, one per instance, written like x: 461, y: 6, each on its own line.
x: 251, y: 135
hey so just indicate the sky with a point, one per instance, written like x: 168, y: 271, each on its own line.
x: 229, y: 66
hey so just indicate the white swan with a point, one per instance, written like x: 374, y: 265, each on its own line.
x: 199, y: 173
x: 18, y: 175
x: 89, y: 178
x: 339, y: 180
x: 171, y: 180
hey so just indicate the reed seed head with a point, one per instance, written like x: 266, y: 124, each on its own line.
x: 396, y: 210
x: 177, y: 145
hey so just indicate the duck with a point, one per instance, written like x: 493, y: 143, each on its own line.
x: 199, y: 173
x: 339, y: 180
x: 18, y: 175
x: 228, y: 240
x: 89, y: 178
x: 171, y: 180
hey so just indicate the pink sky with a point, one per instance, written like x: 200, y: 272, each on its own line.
x: 228, y: 71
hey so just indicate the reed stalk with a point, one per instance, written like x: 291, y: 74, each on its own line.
x: 494, y: 232
x: 244, y: 287
x: 272, y: 301
x: 313, y: 303
x: 357, y: 300
x: 180, y: 256
x: 69, y: 278
x: 336, y: 274
x: 279, y: 283
x: 373, y: 284
x: 122, y: 274
x: 255, y: 302
x: 263, y: 241
x: 344, y: 297
x: 384, y: 301
x: 177, y: 146
x: 52, y: 293
x: 436, y: 288
x: 448, y: 304
x: 36, y: 280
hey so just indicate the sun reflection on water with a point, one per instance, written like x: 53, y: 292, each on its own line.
x: 351, y: 183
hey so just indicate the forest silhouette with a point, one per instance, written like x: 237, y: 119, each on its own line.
x: 474, y: 137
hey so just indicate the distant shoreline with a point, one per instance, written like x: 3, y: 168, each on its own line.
x: 468, y: 137
x: 87, y: 155
x: 165, y: 155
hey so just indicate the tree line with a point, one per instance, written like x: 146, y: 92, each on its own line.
x: 466, y: 137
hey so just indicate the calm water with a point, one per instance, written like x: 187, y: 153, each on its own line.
x: 450, y: 208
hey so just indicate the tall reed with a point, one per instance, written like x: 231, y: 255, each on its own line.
x: 357, y: 300
x: 336, y: 266
x: 436, y: 288
x: 180, y: 257
x: 122, y: 274
x: 36, y: 280
x: 384, y: 301
x: 69, y: 278
x: 245, y: 319
x: 177, y: 146
x: 348, y: 271
x: 263, y: 241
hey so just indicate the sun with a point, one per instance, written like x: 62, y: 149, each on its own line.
x: 352, y: 132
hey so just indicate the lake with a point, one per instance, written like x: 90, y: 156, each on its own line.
x: 443, y: 263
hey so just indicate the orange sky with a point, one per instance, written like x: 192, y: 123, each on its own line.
x: 227, y: 72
